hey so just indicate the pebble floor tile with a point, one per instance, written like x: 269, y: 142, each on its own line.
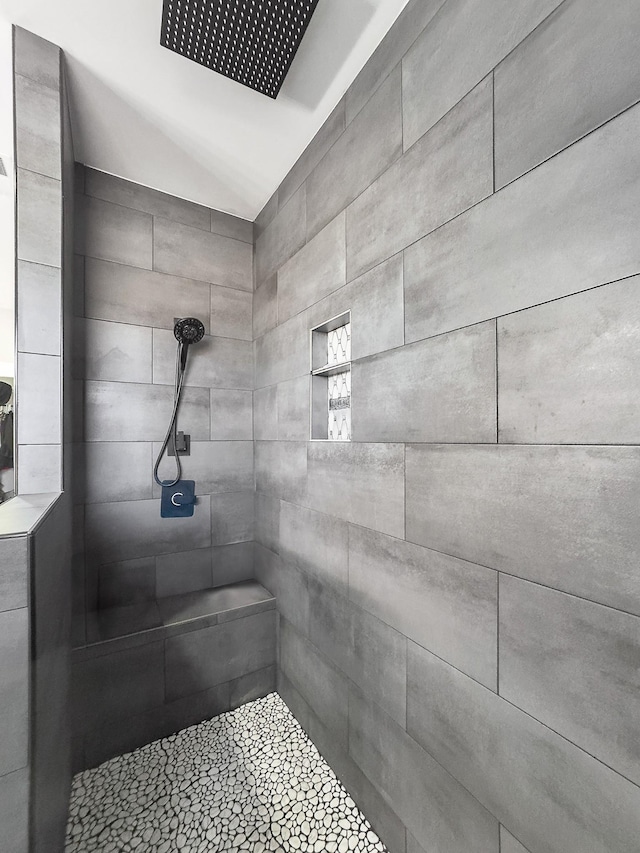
x: 248, y: 780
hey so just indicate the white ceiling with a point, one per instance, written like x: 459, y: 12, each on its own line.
x: 147, y: 114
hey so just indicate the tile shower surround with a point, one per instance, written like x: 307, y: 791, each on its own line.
x: 143, y: 258
x: 35, y: 527
x: 458, y: 589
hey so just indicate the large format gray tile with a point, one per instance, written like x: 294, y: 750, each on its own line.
x: 441, y: 389
x: 464, y: 41
x: 446, y: 605
x: 36, y: 58
x: 315, y: 271
x: 14, y: 690
x: 295, y: 702
x: 128, y: 582
x: 362, y: 483
x: 129, y: 295
x: 186, y: 571
x: 316, y: 543
x: 551, y: 794
x: 38, y: 408
x: 282, y: 238
x: 231, y: 415
x: 573, y: 665
x: 252, y: 686
x: 231, y: 313
x: 39, y: 295
x: 450, y: 170
x: 432, y: 804
x: 14, y: 572
x: 109, y: 741
x: 117, y: 190
x: 123, y: 411
x: 115, y: 352
x: 590, y: 57
x: 313, y: 153
x: 202, y: 659
x: 115, y: 686
x: 385, y: 822
x: 265, y: 307
x: 265, y: 414
x: 37, y: 117
x: 216, y: 466
x: 39, y: 219
x: 407, y: 27
x: 368, y: 146
x: 281, y: 469
x: 564, y: 227
x: 267, y: 511
x: 231, y: 226
x: 509, y: 844
x: 115, y: 233
x: 568, y: 369
x: 39, y: 468
x: 266, y: 216
x: 368, y: 651
x: 130, y: 529
x: 293, y: 409
x: 322, y: 686
x: 376, y: 302
x: 560, y: 516
x: 232, y: 517
x: 201, y: 255
x: 232, y: 564
x: 14, y: 811
x: 283, y: 352
x: 212, y: 362
x: 117, y: 470
x: 287, y: 584
x: 412, y: 845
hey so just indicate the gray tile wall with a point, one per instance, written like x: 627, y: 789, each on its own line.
x: 149, y: 257
x: 35, y: 761
x: 124, y: 697
x: 40, y: 149
x: 458, y: 587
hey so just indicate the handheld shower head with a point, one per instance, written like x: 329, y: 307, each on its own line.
x: 188, y: 331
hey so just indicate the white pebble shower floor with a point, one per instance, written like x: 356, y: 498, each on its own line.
x: 248, y: 780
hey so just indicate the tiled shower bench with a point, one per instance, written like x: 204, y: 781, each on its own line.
x: 149, y: 670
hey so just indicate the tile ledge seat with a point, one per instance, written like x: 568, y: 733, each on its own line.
x: 116, y: 628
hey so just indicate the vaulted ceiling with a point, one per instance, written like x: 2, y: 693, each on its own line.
x: 145, y: 113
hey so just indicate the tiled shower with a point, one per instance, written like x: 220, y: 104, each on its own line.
x: 448, y: 601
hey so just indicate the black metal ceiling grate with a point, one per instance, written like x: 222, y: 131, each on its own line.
x: 250, y: 41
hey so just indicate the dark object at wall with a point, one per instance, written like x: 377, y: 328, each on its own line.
x: 253, y: 43
x: 6, y: 426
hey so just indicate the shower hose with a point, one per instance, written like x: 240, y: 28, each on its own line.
x: 181, y: 366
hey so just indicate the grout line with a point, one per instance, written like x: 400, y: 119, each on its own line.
x: 457, y: 557
x: 493, y: 128
x: 404, y: 479
x: 498, y: 633
x: 497, y: 390
x: 401, y: 64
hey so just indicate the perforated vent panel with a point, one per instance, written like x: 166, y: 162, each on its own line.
x: 250, y: 41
